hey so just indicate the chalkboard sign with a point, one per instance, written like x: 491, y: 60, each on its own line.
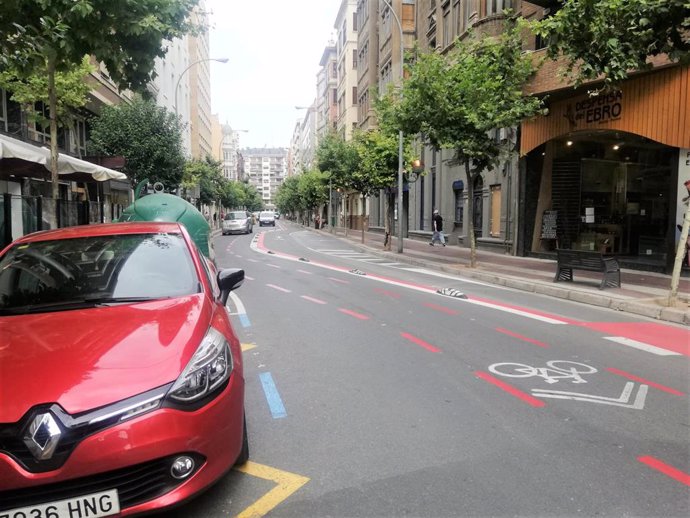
x: 549, y: 224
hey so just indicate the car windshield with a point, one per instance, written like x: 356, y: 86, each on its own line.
x: 236, y: 215
x: 267, y: 215
x: 83, y: 272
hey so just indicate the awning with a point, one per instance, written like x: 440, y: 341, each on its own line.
x: 18, y: 158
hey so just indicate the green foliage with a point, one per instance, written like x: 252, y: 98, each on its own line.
x: 337, y: 158
x: 610, y: 38
x: 378, y: 161
x: 148, y: 136
x: 71, y: 89
x: 455, y: 101
x: 313, y: 189
x: 236, y: 195
x: 124, y: 35
x: 287, y: 198
x: 208, y: 176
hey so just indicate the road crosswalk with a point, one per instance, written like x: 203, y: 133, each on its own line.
x: 358, y: 256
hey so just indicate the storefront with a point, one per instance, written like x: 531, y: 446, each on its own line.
x: 603, y: 173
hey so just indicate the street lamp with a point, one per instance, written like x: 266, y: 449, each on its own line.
x: 400, y: 144
x: 177, y: 85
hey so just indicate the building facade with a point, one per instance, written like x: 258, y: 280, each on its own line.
x: 230, y: 154
x: 346, y: 48
x: 265, y: 169
x: 327, y: 92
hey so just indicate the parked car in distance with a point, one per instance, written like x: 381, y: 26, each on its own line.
x: 267, y: 217
x: 237, y: 222
x: 120, y: 373
x: 277, y: 215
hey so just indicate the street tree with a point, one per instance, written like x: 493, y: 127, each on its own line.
x: 377, y: 171
x: 148, y: 136
x: 313, y: 190
x: 28, y: 89
x: 207, y: 174
x: 458, y: 100
x: 44, y: 37
x: 607, y: 39
x: 288, y: 200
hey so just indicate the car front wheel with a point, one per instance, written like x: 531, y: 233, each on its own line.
x: 243, y: 457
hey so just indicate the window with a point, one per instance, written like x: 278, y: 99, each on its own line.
x: 354, y: 21
x: 459, y: 206
x: 497, y: 6
x: 495, y: 230
x: 408, y: 18
x: 354, y: 95
x: 3, y: 111
x: 354, y: 58
x: 447, y: 36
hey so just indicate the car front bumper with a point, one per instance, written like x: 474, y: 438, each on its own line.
x: 127, y: 456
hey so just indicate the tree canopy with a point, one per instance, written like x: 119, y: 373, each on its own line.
x: 46, y: 37
x: 610, y: 38
x: 148, y: 136
x: 125, y: 36
x: 458, y: 101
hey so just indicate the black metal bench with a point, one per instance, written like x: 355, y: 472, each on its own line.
x: 569, y: 260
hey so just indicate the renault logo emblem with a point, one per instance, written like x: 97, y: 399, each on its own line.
x: 42, y: 436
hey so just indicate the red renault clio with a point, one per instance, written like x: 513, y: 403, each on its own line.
x: 121, y: 385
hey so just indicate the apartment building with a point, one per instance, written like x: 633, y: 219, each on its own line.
x: 265, y: 169
x: 200, y: 89
x: 607, y: 172
x: 327, y: 91
x: 346, y: 49
x: 367, y: 61
x: 230, y: 153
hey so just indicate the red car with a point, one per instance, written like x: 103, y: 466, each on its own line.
x: 121, y: 385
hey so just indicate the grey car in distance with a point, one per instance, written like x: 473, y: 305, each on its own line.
x: 237, y: 222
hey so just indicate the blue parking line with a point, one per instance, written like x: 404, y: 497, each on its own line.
x: 244, y: 320
x: 272, y: 396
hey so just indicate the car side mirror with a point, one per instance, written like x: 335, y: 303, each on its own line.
x: 229, y: 279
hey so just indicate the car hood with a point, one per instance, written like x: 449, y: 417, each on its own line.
x: 88, y: 358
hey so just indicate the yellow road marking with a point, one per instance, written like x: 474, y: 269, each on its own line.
x: 287, y: 482
x: 247, y: 347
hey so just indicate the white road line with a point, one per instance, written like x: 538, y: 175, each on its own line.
x: 338, y: 280
x: 249, y: 278
x: 272, y: 265
x: 453, y: 277
x: 641, y: 346
x: 514, y: 311
x: 252, y: 260
x: 316, y: 301
x: 390, y: 264
x: 305, y: 272
x: 278, y: 288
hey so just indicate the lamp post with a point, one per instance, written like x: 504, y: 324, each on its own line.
x: 400, y: 144
x: 177, y: 85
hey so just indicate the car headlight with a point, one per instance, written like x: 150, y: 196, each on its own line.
x: 209, y: 368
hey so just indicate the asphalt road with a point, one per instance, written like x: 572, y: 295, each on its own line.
x: 370, y: 394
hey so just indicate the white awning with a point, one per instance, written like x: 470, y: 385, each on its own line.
x: 13, y: 148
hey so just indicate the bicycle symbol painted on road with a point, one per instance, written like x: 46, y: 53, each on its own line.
x: 554, y: 371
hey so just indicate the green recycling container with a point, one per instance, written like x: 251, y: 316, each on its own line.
x: 168, y: 207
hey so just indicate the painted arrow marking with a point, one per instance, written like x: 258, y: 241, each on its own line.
x: 622, y: 401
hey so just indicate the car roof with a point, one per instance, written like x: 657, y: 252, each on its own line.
x: 104, y: 229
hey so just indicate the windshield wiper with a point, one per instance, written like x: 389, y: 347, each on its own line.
x: 80, y: 303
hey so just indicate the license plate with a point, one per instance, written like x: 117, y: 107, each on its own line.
x: 94, y: 505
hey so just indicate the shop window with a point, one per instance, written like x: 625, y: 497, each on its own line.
x: 495, y: 229
x: 3, y: 111
x: 459, y: 206
x: 478, y: 209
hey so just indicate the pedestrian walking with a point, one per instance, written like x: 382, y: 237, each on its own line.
x: 437, y: 227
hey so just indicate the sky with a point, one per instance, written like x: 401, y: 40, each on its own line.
x: 274, y: 48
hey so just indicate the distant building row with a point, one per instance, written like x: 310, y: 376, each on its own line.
x: 603, y: 174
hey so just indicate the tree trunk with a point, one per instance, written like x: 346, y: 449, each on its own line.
x: 680, y: 253
x: 470, y: 213
x: 346, y: 212
x: 387, y: 242
x: 364, y: 212
x: 52, y: 107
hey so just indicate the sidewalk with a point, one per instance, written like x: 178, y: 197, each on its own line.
x: 642, y: 293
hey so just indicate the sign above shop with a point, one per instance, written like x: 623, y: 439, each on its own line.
x: 598, y: 109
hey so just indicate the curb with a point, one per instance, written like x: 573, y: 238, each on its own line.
x: 651, y: 310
